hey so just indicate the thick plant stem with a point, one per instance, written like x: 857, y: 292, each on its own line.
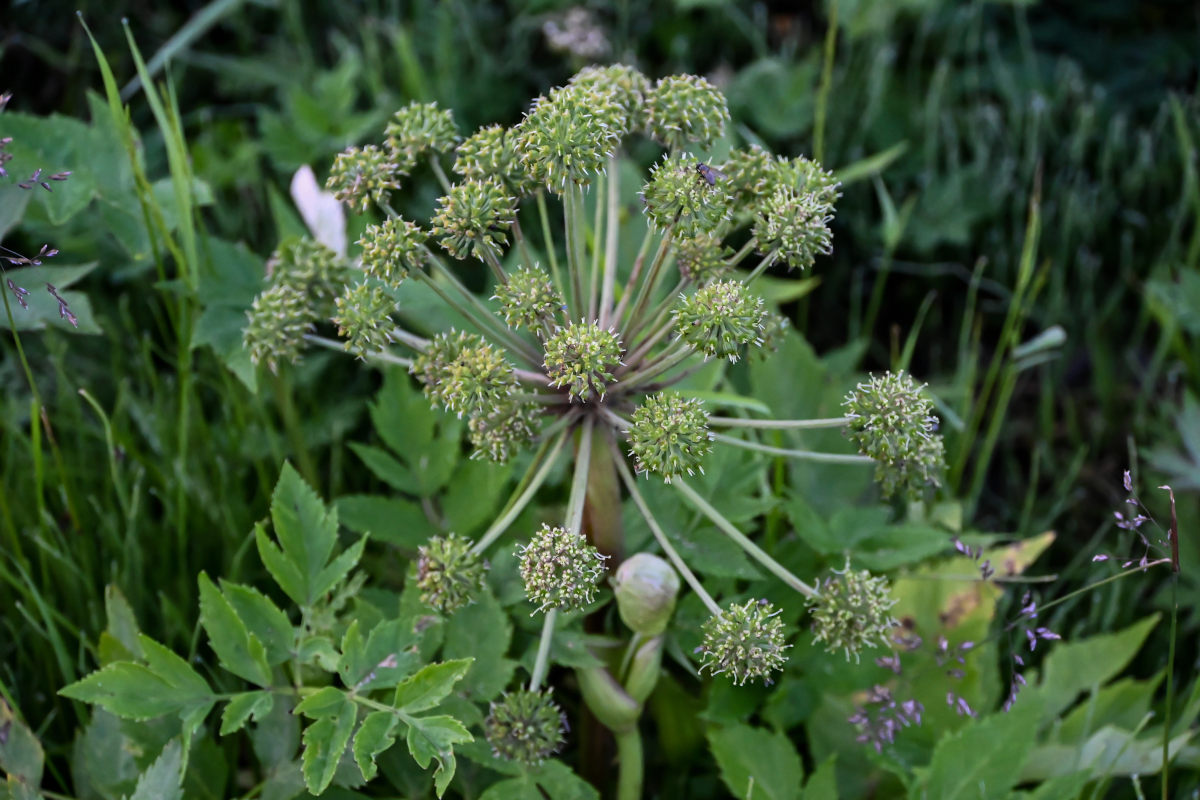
x: 602, y: 510
x: 542, y: 664
x: 630, y: 766
x: 610, y: 242
x: 752, y: 550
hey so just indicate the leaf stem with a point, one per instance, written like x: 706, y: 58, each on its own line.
x: 548, y: 237
x: 785, y: 424
x: 612, y: 231
x: 802, y: 455
x: 541, y: 664
x: 583, y: 460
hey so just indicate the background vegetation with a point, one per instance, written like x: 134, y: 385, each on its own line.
x: 1021, y: 227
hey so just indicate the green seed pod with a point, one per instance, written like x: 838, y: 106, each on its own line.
x: 626, y: 84
x: 491, y: 152
x: 807, y: 177
x: 529, y: 299
x: 582, y: 357
x: 744, y: 642
x: 752, y: 175
x: 312, y: 269
x: 449, y: 574
x: 276, y: 325
x: 363, y: 175
x: 720, y: 318
x: 499, y: 432
x: 892, y: 421
x: 391, y: 249
x: 569, y: 136
x: 419, y: 128
x: 364, y: 318
x: 669, y: 435
x: 465, y: 373
x: 473, y: 219
x: 795, y: 225
x: 525, y: 726
x: 677, y: 195
x: 646, y: 587
x: 684, y: 109
x: 851, y: 612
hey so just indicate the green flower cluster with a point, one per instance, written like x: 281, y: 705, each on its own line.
x: 582, y: 357
x: 364, y: 318
x: 525, y: 726
x: 449, y: 573
x: 474, y: 218
x: 362, y: 176
x: 721, y: 318
x: 529, y: 300
x: 560, y: 569
x: 892, y: 421
x: 669, y: 435
x: 745, y: 642
x: 391, y: 249
x: 852, y: 612
x: 465, y: 373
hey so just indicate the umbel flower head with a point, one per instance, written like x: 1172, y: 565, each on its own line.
x: 419, y: 128
x: 364, y: 318
x: 751, y: 174
x: 361, y: 176
x: 794, y: 224
x: 473, y: 219
x: 464, y: 372
x: 683, y: 109
x: 525, y: 726
x: 582, y: 356
x: 277, y: 323
x: 311, y: 268
x: 702, y: 259
x: 491, y: 152
x: 851, y: 612
x: 499, y: 432
x: 449, y: 573
x: 529, y: 299
x: 391, y: 249
x: 720, y: 318
x: 892, y: 421
x: 560, y: 569
x: 568, y: 136
x: 806, y: 176
x: 677, y: 195
x: 628, y: 87
x: 744, y: 642
x: 669, y: 435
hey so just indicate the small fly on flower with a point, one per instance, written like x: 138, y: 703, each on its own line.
x: 710, y: 174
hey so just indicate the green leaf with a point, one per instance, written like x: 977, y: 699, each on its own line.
x: 122, y: 623
x: 242, y: 707
x: 338, y: 569
x: 324, y: 742
x: 522, y: 788
x: 391, y: 520
x: 434, y: 738
x: 473, y: 495
x: 163, y: 781
x: 387, y: 468
x: 388, y: 657
x: 430, y: 686
x: 285, y: 573
x: 326, y: 702
x: 376, y: 734
x: 1077, y: 666
x: 264, y: 619
x: 983, y: 759
x: 756, y: 764
x: 134, y: 691
x: 482, y: 631
x: 560, y: 782
x: 21, y: 756
x: 320, y: 652
x: 822, y: 784
x: 239, y: 650
x: 306, y: 529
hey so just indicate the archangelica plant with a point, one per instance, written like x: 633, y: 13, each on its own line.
x: 588, y: 351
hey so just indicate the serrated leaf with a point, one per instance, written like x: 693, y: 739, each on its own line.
x: 391, y: 520
x: 162, y: 781
x: 387, y: 468
x: 264, y: 619
x: 434, y: 738
x: 756, y: 764
x: 239, y: 650
x: 430, y: 686
x: 320, y: 652
x: 326, y: 702
x: 136, y: 691
x: 388, y: 656
x: 324, y: 742
x: 122, y: 624
x: 285, y: 573
x: 983, y: 759
x: 376, y: 734
x: 242, y: 707
x: 305, y: 528
x: 333, y: 574
x: 560, y: 782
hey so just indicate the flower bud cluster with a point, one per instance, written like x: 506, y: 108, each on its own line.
x: 363, y: 317
x: 744, y: 642
x: 560, y: 569
x: 892, y: 421
x: 465, y: 373
x: 702, y: 259
x: 277, y: 322
x: 686, y: 109
x: 751, y: 174
x: 582, y: 357
x: 669, y: 435
x: 361, y: 176
x: 794, y: 224
x: 419, y: 128
x: 500, y: 431
x: 529, y: 299
x: 679, y: 198
x: 525, y: 726
x: 449, y: 573
x: 473, y: 219
x: 491, y: 152
x: 568, y: 136
x: 310, y: 267
x: 628, y: 87
x: 851, y: 612
x: 720, y: 318
x: 391, y: 249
